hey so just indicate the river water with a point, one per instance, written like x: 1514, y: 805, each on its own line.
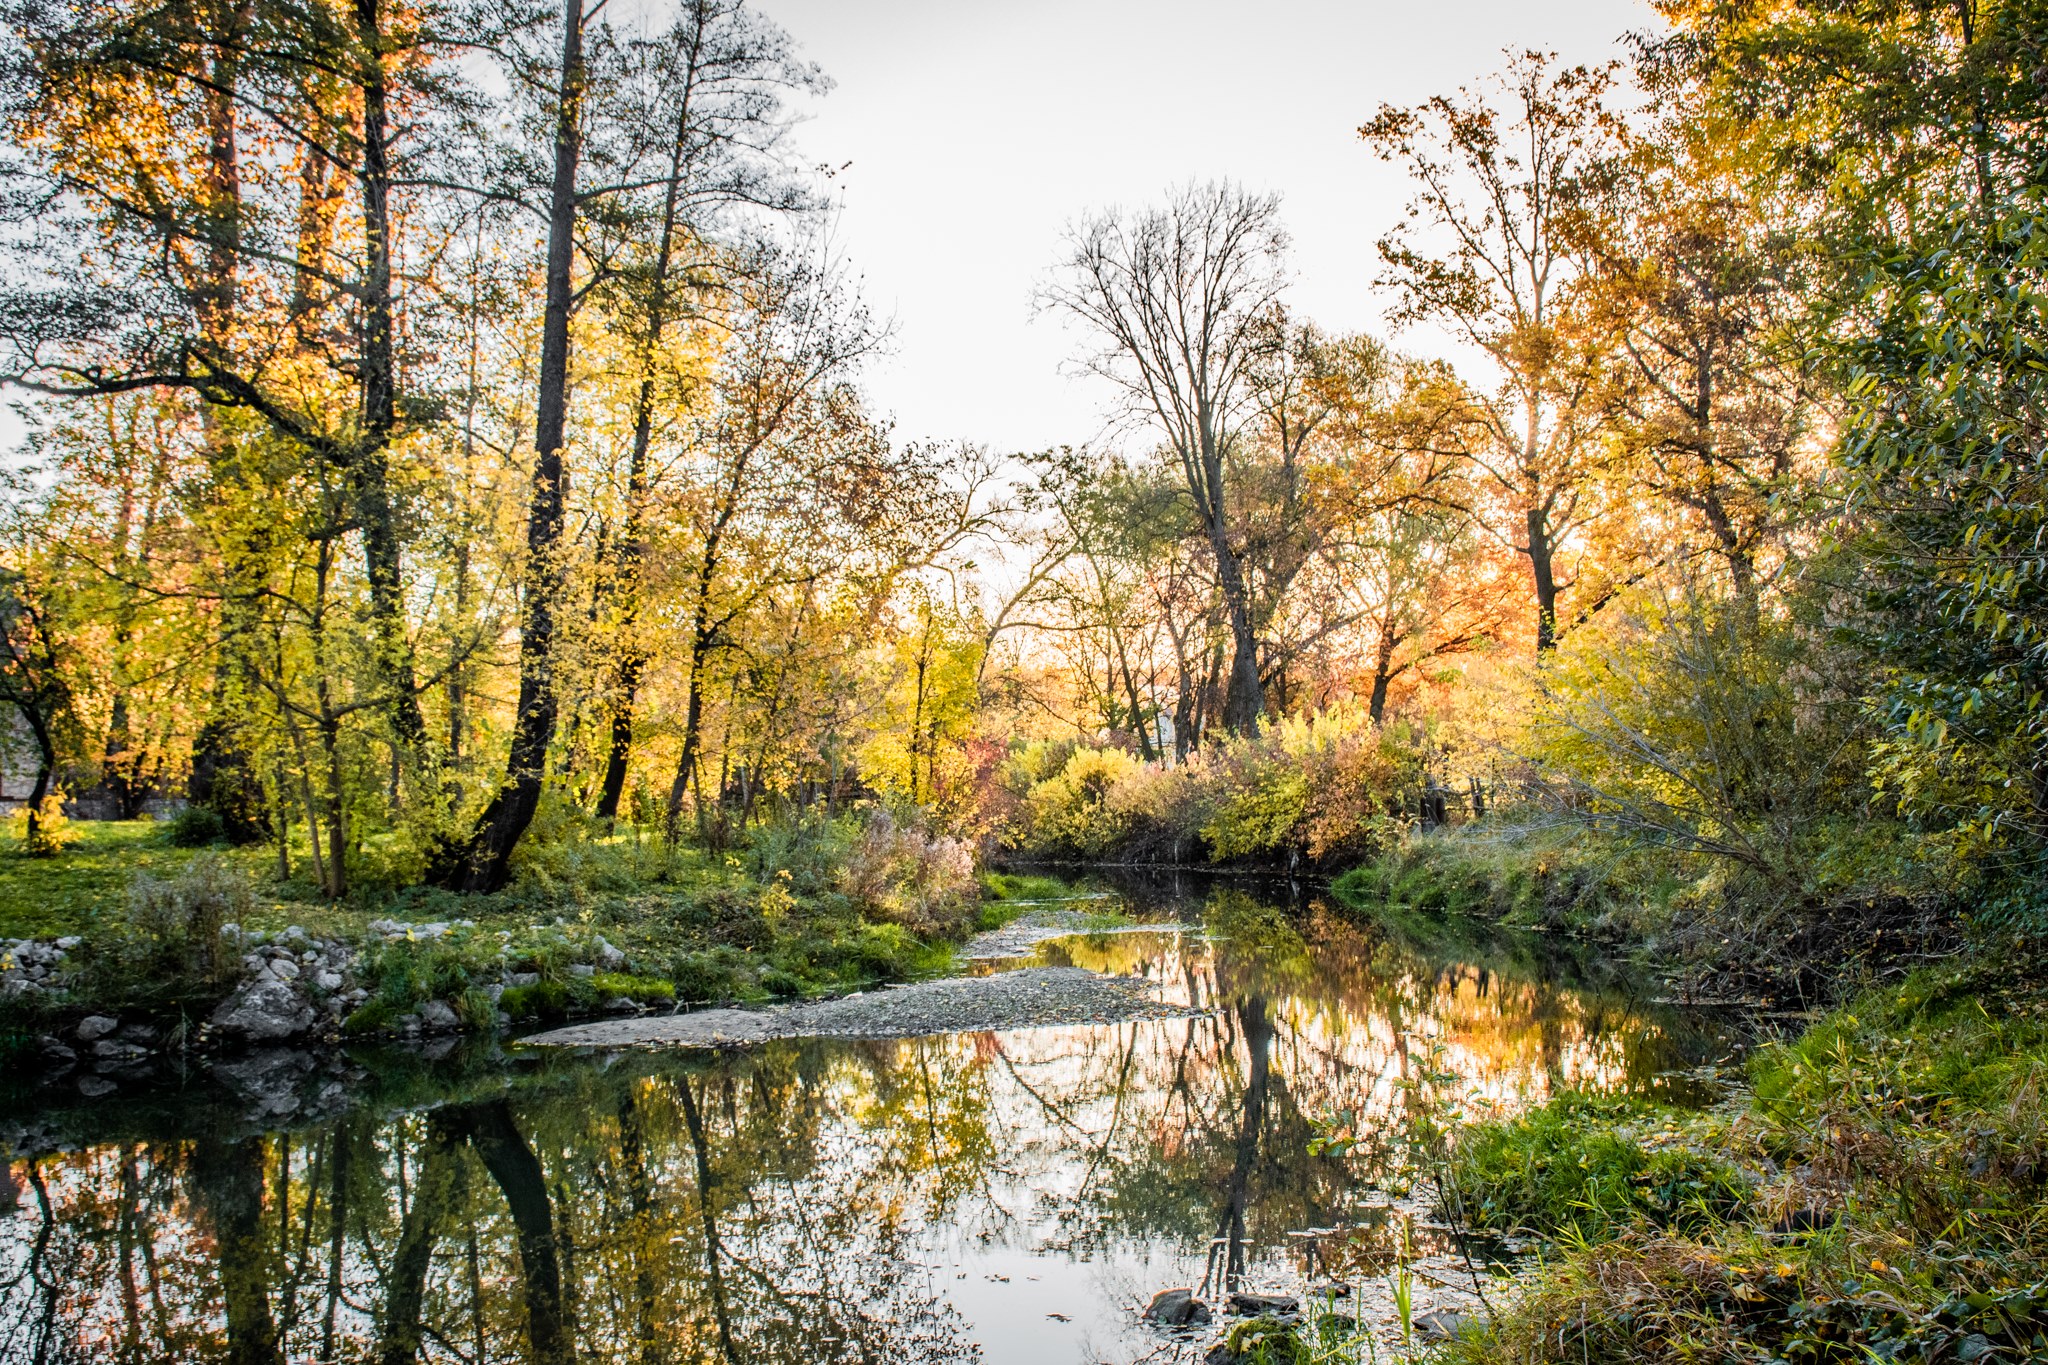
x: 1006, y: 1197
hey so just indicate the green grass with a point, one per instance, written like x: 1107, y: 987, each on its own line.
x: 1552, y: 879
x: 764, y: 922
x: 68, y: 892
x: 1586, y: 1166
x: 1894, y: 1205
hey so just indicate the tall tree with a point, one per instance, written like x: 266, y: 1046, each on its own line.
x: 1501, y: 175
x: 1178, y: 300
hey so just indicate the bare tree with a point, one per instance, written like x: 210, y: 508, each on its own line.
x: 1178, y: 297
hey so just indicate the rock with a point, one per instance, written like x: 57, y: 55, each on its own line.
x: 437, y: 1016
x: 609, y: 959
x: 582, y: 969
x: 283, y: 969
x: 95, y: 1087
x: 329, y: 981
x: 94, y: 1027
x: 622, y: 1005
x: 113, y: 1050
x: 69, y: 942
x: 1177, y: 1308
x: 1253, y: 1304
x: 56, y: 1055
x: 523, y: 978
x: 1443, y: 1324
x: 1329, y: 1289
x: 142, y: 1035
x: 263, y: 1011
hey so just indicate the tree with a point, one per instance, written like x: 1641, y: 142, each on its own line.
x: 1712, y: 403
x: 716, y: 78
x: 483, y: 861
x: 1501, y: 176
x: 1178, y: 298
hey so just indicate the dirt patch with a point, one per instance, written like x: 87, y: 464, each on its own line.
x: 1035, y: 998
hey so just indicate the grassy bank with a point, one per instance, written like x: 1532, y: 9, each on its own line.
x: 587, y: 924
x: 1877, y: 1191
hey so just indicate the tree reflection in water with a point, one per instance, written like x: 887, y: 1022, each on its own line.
x: 924, y: 1200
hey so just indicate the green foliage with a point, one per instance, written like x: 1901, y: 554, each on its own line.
x: 1894, y: 1210
x: 1071, y: 813
x: 197, y: 827
x: 1547, y: 879
x: 1708, y: 727
x: 536, y: 1000
x: 621, y: 986
x: 166, y: 942
x: 1946, y: 383
x: 1572, y: 1168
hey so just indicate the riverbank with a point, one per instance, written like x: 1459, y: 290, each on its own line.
x: 126, y: 946
x: 1875, y: 1189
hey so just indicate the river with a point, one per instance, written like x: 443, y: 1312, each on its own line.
x: 1004, y: 1197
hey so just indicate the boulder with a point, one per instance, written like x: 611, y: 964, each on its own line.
x: 264, y: 1011
x: 1177, y: 1308
x: 94, y: 1027
x: 609, y: 959
x: 437, y: 1016
x: 1253, y: 1304
x: 1443, y: 1324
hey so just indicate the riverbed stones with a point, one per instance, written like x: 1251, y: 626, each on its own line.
x: 1033, y: 998
x: 1177, y: 1308
x: 1444, y: 1324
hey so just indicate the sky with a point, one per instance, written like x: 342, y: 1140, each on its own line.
x: 978, y: 130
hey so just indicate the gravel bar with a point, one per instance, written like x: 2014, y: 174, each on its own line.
x: 1034, y: 998
x: 1027, y: 931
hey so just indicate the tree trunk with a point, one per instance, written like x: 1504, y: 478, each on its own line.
x: 1539, y: 551
x: 406, y: 1286
x: 633, y: 543
x: 483, y: 863
x: 380, y: 395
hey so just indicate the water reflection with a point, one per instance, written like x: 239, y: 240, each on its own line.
x: 983, y: 1196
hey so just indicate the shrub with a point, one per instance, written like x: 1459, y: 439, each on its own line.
x: 536, y: 1000
x: 197, y: 827
x: 904, y: 874
x: 1071, y: 811
x: 168, y: 937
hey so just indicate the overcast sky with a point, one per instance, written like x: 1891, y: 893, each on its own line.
x: 977, y: 129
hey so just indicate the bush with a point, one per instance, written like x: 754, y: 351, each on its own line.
x: 1071, y: 814
x: 904, y: 874
x: 168, y: 940
x: 197, y: 827
x: 1326, y: 786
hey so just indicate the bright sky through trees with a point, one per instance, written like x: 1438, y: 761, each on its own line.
x: 977, y: 130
